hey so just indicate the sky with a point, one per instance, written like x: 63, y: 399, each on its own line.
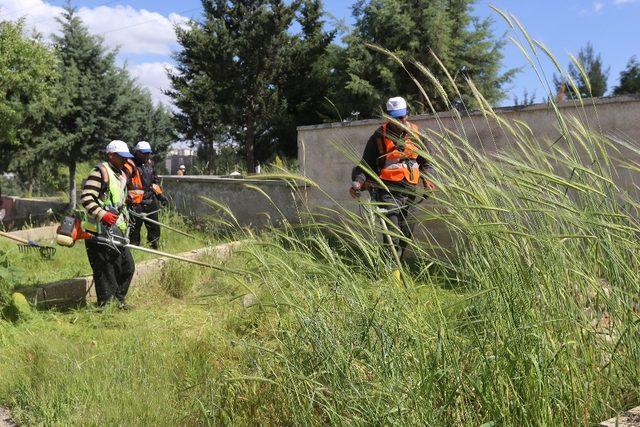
x: 143, y: 31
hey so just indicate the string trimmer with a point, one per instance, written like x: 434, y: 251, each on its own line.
x: 25, y: 245
x: 70, y: 231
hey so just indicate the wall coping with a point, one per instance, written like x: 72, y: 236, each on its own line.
x: 503, y: 110
x: 224, y: 180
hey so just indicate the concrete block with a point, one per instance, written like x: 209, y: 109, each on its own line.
x: 76, y: 292
x: 47, y: 233
x: 630, y: 418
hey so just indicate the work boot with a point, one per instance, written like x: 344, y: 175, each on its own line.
x: 124, y: 306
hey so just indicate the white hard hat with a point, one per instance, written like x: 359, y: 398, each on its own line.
x: 120, y: 148
x: 182, y: 167
x: 397, y: 107
x: 143, y: 147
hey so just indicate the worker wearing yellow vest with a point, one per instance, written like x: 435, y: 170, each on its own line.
x: 104, y: 198
x: 391, y: 154
x: 144, y: 195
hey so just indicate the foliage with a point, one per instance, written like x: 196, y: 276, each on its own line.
x: 9, y: 277
x: 629, y: 79
x: 87, y: 106
x: 242, y: 78
x: 305, y: 83
x: 28, y: 70
x: 587, y: 73
x: 527, y: 99
x: 438, y: 34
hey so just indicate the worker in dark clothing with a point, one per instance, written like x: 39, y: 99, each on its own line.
x: 104, y: 198
x: 145, y: 195
x: 392, y: 155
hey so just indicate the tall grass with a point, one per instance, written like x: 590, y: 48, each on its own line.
x: 529, y: 318
x: 545, y: 251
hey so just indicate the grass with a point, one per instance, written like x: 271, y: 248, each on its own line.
x: 530, y: 318
x: 72, y: 262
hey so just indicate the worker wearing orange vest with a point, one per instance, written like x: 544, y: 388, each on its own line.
x: 144, y: 195
x: 391, y: 153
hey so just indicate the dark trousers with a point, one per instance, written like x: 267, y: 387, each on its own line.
x: 112, y: 271
x: 153, y: 230
x: 400, y: 207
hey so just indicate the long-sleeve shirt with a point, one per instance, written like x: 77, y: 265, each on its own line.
x: 94, y: 190
x: 373, y: 157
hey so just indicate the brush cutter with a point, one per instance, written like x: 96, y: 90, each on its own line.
x: 25, y: 245
x: 70, y: 231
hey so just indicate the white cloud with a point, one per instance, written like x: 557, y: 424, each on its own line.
x: 597, y: 6
x: 153, y: 75
x: 623, y: 1
x: 133, y: 31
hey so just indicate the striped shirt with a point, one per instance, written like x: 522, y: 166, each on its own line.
x: 94, y: 189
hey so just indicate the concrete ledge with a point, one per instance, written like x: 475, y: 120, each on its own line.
x: 19, y: 211
x: 630, y: 418
x: 40, y: 233
x: 588, y: 102
x: 76, y: 292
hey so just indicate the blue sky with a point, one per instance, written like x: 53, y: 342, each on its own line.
x: 142, y: 29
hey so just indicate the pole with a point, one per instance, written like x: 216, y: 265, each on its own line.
x: 145, y: 218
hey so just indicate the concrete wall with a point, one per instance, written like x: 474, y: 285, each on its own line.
x: 18, y: 211
x: 328, y: 166
x: 248, y: 204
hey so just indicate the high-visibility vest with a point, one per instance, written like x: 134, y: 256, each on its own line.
x: 135, y: 187
x: 113, y: 197
x: 399, y: 165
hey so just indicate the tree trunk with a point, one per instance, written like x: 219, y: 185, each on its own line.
x: 72, y: 186
x: 250, y: 144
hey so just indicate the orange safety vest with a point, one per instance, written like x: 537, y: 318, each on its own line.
x: 134, y: 187
x: 399, y: 165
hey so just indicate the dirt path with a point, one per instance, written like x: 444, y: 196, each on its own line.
x: 5, y: 419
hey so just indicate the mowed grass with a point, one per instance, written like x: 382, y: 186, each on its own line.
x: 68, y: 263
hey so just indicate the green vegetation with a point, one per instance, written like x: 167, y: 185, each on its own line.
x: 529, y: 318
x: 72, y: 262
x: 60, y: 105
x: 629, y: 79
x: 586, y: 75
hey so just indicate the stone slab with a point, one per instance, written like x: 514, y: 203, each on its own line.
x: 78, y: 291
x: 630, y: 418
x: 39, y: 233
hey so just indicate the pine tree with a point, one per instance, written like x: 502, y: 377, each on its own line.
x: 87, y: 110
x: 306, y: 80
x: 412, y: 29
x: 226, y: 84
x: 629, y: 79
x: 595, y: 85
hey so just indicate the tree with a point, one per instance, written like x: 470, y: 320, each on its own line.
x: 140, y: 119
x: 226, y: 84
x: 28, y: 71
x: 412, y: 30
x: 526, y: 100
x: 307, y: 79
x: 88, y: 105
x: 595, y: 83
x: 629, y: 79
